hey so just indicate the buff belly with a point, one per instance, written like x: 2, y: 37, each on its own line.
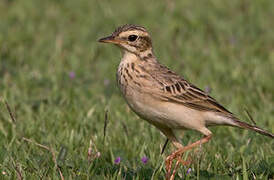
x: 166, y: 114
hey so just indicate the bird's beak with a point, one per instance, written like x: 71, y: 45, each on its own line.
x: 109, y: 39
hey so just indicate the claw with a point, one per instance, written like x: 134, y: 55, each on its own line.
x: 177, y: 154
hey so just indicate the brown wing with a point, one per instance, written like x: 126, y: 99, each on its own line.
x: 193, y: 97
x: 180, y: 91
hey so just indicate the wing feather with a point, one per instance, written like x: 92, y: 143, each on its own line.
x: 176, y: 89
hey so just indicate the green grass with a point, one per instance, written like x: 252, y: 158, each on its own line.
x: 225, y: 45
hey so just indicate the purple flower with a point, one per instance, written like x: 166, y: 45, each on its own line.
x: 71, y: 75
x: 144, y: 159
x: 117, y: 160
x: 188, y: 171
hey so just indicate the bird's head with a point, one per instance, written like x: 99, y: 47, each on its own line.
x: 131, y: 38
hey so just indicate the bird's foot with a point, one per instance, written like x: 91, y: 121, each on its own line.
x: 178, y: 156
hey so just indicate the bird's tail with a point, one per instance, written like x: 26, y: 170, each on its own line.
x: 252, y: 127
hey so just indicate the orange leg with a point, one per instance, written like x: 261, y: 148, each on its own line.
x: 177, y: 154
x: 169, y: 165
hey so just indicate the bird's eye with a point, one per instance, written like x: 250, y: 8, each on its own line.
x: 132, y: 38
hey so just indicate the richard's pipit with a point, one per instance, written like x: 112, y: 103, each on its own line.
x: 162, y: 97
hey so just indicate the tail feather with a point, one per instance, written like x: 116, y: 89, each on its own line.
x: 253, y: 128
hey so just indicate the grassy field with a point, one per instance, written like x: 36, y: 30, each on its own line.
x: 60, y: 85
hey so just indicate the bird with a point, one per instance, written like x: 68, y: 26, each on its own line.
x: 162, y: 97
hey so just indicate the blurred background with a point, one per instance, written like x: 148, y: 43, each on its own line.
x: 60, y: 87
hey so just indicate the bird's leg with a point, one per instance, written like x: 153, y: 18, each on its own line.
x: 177, y: 155
x: 188, y: 147
x: 169, y: 160
x: 179, y: 161
x: 171, y: 137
